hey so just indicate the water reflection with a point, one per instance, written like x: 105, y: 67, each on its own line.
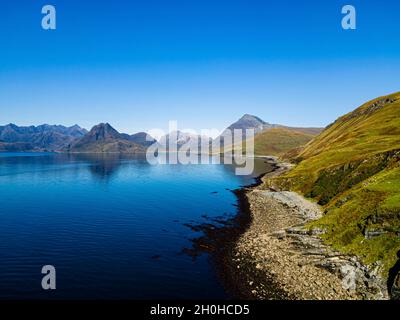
x: 105, y: 166
x: 102, y: 166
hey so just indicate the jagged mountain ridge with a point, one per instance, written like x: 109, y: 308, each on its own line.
x: 46, y: 137
x: 103, y: 138
x: 43, y: 137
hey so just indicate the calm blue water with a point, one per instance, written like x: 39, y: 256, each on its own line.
x: 111, y: 225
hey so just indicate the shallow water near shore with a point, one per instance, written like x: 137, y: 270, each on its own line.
x: 113, y: 226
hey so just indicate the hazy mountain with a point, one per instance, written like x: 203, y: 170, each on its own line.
x: 43, y: 137
x: 103, y: 138
x: 183, y: 138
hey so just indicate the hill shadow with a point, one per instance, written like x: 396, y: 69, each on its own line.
x: 393, y: 272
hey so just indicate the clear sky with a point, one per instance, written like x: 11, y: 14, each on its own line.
x: 138, y: 64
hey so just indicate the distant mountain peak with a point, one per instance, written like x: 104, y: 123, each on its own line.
x: 103, y: 131
x: 250, y: 117
x: 248, y: 121
x: 104, y: 138
x: 103, y: 125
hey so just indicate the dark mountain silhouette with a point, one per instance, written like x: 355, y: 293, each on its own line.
x: 103, y: 138
x: 101, y: 132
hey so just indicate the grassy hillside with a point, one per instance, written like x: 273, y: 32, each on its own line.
x: 352, y: 169
x: 311, y: 131
x: 277, y: 141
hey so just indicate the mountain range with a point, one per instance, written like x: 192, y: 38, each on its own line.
x: 104, y: 138
x: 41, y: 138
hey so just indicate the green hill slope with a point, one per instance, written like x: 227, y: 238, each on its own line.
x: 352, y: 169
x: 279, y: 140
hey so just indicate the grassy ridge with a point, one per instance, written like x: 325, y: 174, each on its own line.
x: 352, y: 169
x: 277, y: 141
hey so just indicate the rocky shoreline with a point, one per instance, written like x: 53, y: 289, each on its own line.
x: 277, y: 257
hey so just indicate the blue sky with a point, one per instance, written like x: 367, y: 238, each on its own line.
x: 138, y: 64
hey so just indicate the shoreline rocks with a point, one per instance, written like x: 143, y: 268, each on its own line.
x: 278, y: 251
